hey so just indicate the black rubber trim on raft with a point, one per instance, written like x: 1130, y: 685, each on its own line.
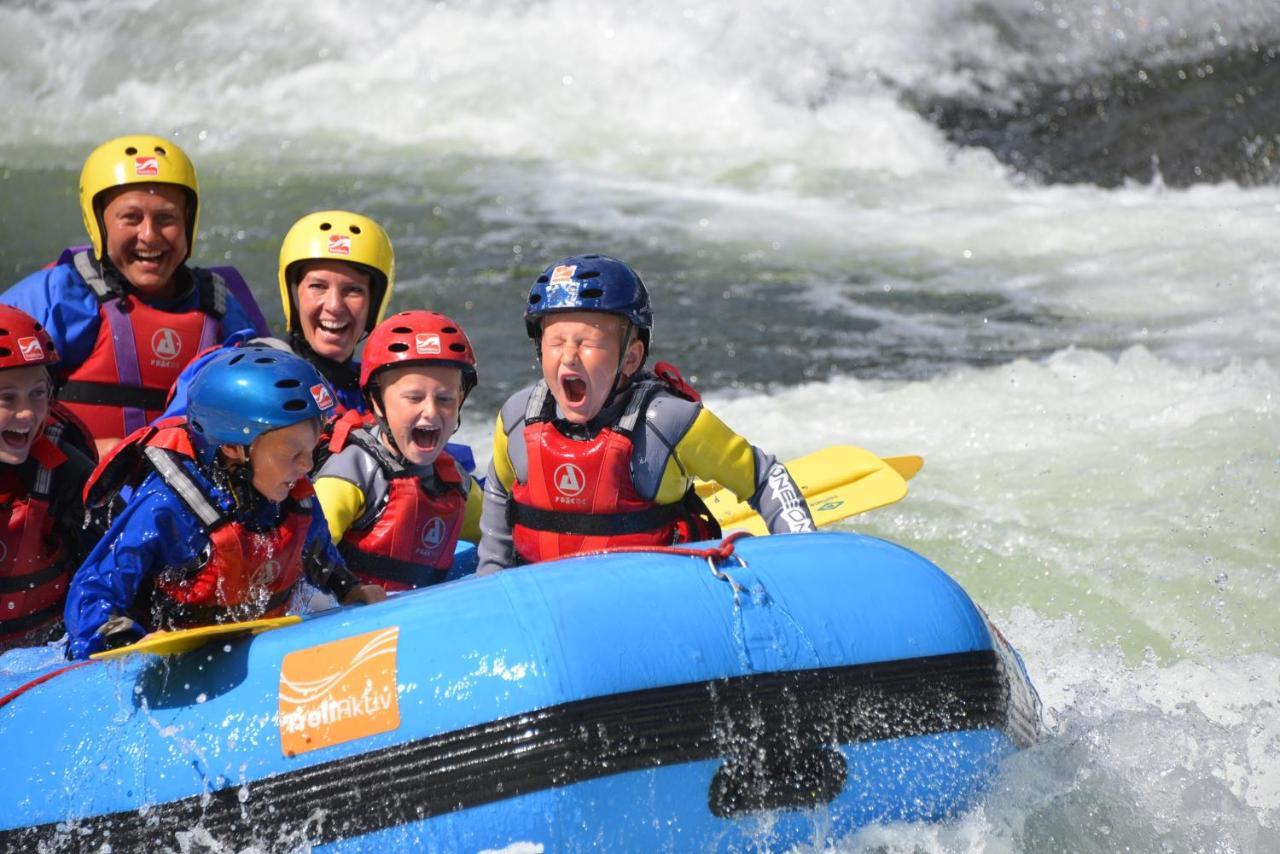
x: 749, y: 721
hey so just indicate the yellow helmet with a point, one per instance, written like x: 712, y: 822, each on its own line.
x: 338, y: 236
x: 136, y: 159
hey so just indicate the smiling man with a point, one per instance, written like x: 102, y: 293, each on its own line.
x: 126, y: 313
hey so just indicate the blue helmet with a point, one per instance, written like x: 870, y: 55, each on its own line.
x: 244, y: 392
x: 589, y: 283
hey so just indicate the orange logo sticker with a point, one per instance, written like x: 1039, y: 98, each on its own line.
x: 339, y: 691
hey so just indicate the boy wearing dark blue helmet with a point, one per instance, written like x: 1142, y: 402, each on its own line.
x: 600, y: 454
x: 222, y: 525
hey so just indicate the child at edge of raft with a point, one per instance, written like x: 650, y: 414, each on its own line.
x: 222, y: 525
x: 598, y: 454
x: 396, y: 501
x: 44, y: 461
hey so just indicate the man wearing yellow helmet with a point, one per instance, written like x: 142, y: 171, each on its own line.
x: 337, y: 272
x: 126, y: 313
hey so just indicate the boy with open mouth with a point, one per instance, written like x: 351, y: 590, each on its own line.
x: 600, y: 454
x: 396, y: 500
x: 42, y: 470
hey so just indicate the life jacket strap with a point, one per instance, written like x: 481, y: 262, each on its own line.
x: 386, y: 568
x: 110, y: 394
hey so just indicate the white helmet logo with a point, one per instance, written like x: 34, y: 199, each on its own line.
x: 269, y: 572
x: 166, y: 344
x: 433, y: 533
x: 569, y: 480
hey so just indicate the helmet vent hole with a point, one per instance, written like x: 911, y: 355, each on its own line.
x: 592, y: 293
x: 457, y: 348
x: 402, y: 330
x: 398, y: 347
x: 288, y: 383
x: 325, y: 226
x: 355, y: 229
x: 161, y: 151
x: 5, y: 352
x: 294, y: 405
x: 6, y: 331
x: 591, y: 258
x: 542, y: 280
x: 534, y: 299
x: 38, y: 327
x: 131, y: 151
x: 197, y: 426
x: 235, y: 359
x: 264, y: 360
x: 450, y: 330
x: 589, y: 274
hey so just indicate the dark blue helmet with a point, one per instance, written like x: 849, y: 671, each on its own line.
x: 244, y: 392
x: 589, y: 283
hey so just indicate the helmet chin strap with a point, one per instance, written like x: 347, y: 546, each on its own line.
x: 619, y: 381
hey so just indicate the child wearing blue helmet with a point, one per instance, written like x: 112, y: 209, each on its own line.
x: 221, y: 526
x: 600, y: 454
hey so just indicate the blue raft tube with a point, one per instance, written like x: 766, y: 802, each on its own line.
x: 789, y: 693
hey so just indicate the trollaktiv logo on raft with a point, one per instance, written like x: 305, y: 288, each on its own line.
x: 339, y: 691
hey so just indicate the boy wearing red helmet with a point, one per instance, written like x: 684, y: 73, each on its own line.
x: 396, y: 501
x: 41, y: 473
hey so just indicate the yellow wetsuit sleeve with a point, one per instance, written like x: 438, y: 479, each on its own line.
x: 501, y: 462
x: 471, y: 514
x: 342, y: 502
x: 711, y: 451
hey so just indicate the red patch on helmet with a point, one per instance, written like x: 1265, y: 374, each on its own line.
x: 427, y: 344
x: 30, y: 349
x: 563, y: 274
x: 320, y: 393
x: 339, y: 244
x: 146, y: 165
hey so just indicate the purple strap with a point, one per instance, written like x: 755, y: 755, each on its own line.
x: 239, y: 289
x: 126, y: 353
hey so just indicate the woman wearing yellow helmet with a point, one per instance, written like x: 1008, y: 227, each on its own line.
x: 337, y: 272
x: 126, y: 314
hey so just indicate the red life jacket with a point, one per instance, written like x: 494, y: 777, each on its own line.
x: 409, y: 540
x: 245, y: 574
x: 139, y: 352
x: 579, y: 496
x: 35, y: 566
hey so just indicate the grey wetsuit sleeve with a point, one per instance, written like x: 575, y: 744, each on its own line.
x: 777, y: 499
x: 495, y: 550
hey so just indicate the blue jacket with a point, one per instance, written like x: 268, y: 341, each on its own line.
x: 156, y: 530
x: 59, y: 298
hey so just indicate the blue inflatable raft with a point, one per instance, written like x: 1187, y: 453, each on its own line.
x: 791, y: 693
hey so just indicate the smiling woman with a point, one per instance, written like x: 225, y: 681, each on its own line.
x: 337, y: 271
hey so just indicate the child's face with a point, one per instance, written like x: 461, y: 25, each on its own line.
x: 24, y: 405
x: 420, y: 404
x: 333, y: 306
x: 580, y: 353
x: 280, y: 458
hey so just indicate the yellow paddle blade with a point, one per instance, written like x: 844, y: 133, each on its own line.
x: 908, y: 467
x: 185, y: 640
x: 837, y: 482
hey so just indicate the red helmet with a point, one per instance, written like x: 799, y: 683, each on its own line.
x: 413, y: 337
x: 23, y: 341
